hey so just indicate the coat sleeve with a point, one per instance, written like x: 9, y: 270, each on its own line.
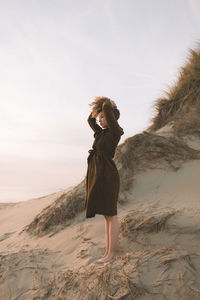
x: 93, y: 124
x: 110, y: 118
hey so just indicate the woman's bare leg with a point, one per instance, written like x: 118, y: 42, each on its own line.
x: 113, y: 225
x: 113, y: 236
x: 106, y: 236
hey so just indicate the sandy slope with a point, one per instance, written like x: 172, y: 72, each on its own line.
x: 158, y: 255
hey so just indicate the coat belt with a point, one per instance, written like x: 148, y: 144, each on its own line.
x: 92, y: 151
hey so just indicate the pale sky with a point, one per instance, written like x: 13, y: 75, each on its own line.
x: 57, y: 56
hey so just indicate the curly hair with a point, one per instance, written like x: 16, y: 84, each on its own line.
x: 97, y: 107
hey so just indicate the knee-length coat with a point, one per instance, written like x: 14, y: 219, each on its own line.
x: 102, y: 179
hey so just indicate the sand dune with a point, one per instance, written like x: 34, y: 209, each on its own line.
x: 47, y: 246
x: 158, y: 255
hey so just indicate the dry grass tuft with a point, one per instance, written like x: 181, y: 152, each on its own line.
x: 150, y: 151
x: 108, y: 282
x: 188, y: 123
x: 60, y: 213
x: 181, y: 103
x: 146, y: 222
x: 166, y: 273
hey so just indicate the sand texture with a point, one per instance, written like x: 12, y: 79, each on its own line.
x: 48, y: 248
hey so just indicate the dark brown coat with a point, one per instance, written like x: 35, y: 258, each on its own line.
x: 102, y: 179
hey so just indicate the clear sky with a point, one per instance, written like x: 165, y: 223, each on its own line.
x: 56, y: 56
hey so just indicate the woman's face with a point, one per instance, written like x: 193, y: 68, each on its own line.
x: 102, y: 120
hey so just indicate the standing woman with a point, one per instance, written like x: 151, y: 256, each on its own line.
x: 102, y: 179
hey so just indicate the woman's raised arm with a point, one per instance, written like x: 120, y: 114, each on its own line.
x: 93, y: 124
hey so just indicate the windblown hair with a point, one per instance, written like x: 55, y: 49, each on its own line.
x: 97, y: 107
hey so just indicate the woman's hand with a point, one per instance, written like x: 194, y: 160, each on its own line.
x: 113, y: 104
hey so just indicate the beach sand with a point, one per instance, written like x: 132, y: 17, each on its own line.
x: 158, y: 255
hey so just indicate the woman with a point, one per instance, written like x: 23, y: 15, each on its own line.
x: 102, y: 179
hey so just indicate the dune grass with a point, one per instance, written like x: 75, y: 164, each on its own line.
x: 181, y: 103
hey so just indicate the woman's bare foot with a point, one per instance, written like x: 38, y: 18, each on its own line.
x: 105, y: 254
x: 108, y: 258
x: 105, y: 259
x: 100, y: 260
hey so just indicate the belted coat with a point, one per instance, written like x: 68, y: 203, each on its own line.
x: 102, y: 179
